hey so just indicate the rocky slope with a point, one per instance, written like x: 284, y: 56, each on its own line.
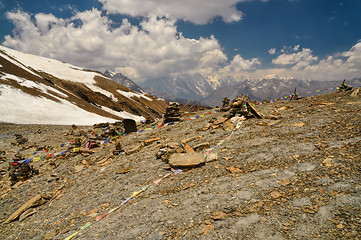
x: 292, y: 175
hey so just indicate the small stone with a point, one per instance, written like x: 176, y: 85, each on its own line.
x: 150, y: 141
x: 340, y: 226
x: 276, y: 194
x: 212, y: 156
x: 188, y: 148
x: 234, y: 170
x: 206, y: 229
x: 78, y: 168
x: 123, y: 170
x: 49, y: 235
x: 307, y: 209
x: 219, y: 215
x: 284, y: 182
x: 220, y: 121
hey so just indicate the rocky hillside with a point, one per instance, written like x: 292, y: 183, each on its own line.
x: 295, y: 174
x: 39, y: 90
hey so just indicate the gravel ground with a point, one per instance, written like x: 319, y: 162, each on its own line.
x: 295, y: 175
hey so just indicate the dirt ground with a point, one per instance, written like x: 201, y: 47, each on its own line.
x: 292, y: 175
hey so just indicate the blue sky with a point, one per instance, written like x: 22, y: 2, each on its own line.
x: 165, y: 38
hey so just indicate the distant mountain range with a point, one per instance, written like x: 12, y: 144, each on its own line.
x: 210, y: 90
x: 38, y: 90
x: 268, y: 89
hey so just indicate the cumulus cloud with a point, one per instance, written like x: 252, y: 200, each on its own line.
x: 198, y: 12
x: 299, y: 59
x: 239, y: 64
x: 153, y: 49
x: 303, y: 65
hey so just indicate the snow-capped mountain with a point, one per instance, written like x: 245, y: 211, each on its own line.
x: 194, y: 87
x: 123, y: 80
x: 38, y: 90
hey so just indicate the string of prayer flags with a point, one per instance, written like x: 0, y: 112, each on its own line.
x: 76, y: 233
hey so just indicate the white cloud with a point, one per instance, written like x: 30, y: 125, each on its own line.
x: 239, y: 64
x: 295, y: 48
x: 272, y: 51
x: 153, y: 49
x: 299, y: 59
x: 303, y: 65
x: 198, y: 12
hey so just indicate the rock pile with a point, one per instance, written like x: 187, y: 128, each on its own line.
x: 19, y: 140
x: 172, y: 113
x: 344, y: 87
x: 226, y: 105
x: 19, y: 171
x: 240, y: 107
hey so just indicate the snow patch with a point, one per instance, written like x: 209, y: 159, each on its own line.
x: 39, y: 110
x: 133, y: 94
x: 16, y: 63
x: 124, y: 114
x: 102, y: 91
x: 30, y: 84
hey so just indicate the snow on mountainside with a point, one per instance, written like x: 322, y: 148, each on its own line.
x: 38, y: 90
x: 193, y: 87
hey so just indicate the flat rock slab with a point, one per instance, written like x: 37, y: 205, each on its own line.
x: 187, y: 159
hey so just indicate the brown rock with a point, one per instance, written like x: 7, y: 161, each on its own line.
x: 219, y: 215
x: 123, y: 170
x: 186, y: 159
x: 212, y: 156
x: 50, y: 234
x: 188, y: 149
x: 150, y: 141
x: 233, y: 170
x: 206, y: 229
x: 284, y: 182
x: 254, y: 111
x: 276, y: 194
x: 220, y: 121
x: 201, y: 146
x: 35, y: 201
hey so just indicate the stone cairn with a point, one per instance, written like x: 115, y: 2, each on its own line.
x: 20, y: 171
x: 237, y: 107
x: 172, y: 113
x: 19, y: 140
x: 240, y: 107
x: 226, y: 105
x: 344, y: 87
